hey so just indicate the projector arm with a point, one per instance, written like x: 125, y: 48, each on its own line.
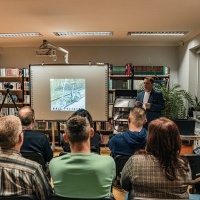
x: 47, y: 44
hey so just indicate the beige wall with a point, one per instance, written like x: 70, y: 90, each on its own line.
x: 143, y: 55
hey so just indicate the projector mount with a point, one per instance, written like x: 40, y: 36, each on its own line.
x: 48, y: 49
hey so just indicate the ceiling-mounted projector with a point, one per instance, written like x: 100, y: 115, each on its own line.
x: 45, y: 52
x: 48, y: 49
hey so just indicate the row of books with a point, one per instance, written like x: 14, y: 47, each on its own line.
x: 14, y: 72
x: 8, y: 99
x: 14, y: 85
x: 151, y: 70
x: 128, y: 70
x: 46, y: 125
x: 25, y: 72
x: 120, y: 84
x: 128, y: 84
x: 8, y: 111
x: 10, y: 72
x: 26, y: 85
x: 121, y: 70
x: 106, y: 126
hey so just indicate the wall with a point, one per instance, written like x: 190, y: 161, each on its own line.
x: 188, y: 65
x: 167, y: 56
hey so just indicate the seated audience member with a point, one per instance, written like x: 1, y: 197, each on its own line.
x: 95, y: 141
x: 81, y: 173
x: 159, y: 171
x: 134, y: 138
x: 19, y: 175
x: 33, y: 140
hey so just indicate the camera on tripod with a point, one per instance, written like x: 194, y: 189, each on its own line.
x: 7, y: 85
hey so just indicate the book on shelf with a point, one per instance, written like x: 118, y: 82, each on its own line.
x: 151, y: 70
x: 14, y: 85
x: 12, y: 72
x: 128, y: 69
x: 46, y: 125
x: 8, y: 111
x: 119, y: 70
x: 120, y: 84
x: 25, y: 72
x: 26, y: 85
x: 111, y: 97
x: 27, y: 98
x: 110, y: 110
x: 104, y: 126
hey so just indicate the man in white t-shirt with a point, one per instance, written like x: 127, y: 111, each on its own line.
x: 152, y: 101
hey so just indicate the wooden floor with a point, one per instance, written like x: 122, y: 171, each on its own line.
x: 120, y: 193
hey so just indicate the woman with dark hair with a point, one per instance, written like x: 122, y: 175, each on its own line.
x: 158, y: 171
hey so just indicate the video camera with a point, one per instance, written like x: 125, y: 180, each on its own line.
x: 7, y: 85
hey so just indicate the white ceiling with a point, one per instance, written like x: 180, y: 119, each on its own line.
x: 119, y: 16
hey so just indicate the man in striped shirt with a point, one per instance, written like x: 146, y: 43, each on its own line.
x: 18, y: 175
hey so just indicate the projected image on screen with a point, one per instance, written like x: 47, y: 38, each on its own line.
x: 67, y: 94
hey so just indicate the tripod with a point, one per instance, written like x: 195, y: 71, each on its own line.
x: 11, y: 97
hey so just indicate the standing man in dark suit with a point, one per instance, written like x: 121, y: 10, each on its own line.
x: 152, y: 101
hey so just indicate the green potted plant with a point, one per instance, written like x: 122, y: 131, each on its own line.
x: 195, y: 105
x: 174, y: 98
x: 174, y: 101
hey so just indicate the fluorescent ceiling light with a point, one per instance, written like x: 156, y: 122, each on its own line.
x: 19, y: 35
x: 168, y: 33
x: 83, y: 33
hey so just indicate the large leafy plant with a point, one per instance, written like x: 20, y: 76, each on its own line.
x: 194, y: 102
x: 174, y: 101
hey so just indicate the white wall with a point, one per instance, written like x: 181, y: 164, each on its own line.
x: 188, y: 65
x: 167, y: 56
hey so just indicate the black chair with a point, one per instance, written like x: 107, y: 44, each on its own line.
x: 63, y: 153
x: 120, y: 161
x: 194, y: 161
x: 35, y: 156
x: 22, y: 197
x: 55, y: 197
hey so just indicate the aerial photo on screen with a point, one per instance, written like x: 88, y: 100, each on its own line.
x: 67, y: 94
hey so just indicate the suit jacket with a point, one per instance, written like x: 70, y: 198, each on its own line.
x: 157, y: 104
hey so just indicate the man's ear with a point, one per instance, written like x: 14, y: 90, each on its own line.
x: 91, y: 132
x: 65, y: 138
x: 129, y: 120
x: 21, y: 138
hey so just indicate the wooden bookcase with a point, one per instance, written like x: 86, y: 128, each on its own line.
x: 13, y: 84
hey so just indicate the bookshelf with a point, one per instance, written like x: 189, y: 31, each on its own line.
x: 12, y: 83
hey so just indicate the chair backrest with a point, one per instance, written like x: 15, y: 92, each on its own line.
x: 34, y: 156
x: 22, y: 197
x: 55, y: 197
x: 120, y: 161
x: 63, y: 153
x: 194, y: 161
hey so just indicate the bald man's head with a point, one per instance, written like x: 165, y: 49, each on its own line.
x: 26, y: 115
